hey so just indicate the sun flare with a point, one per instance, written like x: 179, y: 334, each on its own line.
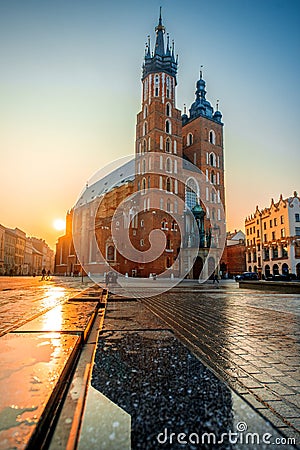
x: 59, y: 224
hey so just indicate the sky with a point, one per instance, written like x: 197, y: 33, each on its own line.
x: 70, y: 89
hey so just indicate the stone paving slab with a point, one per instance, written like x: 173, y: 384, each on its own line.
x: 153, y: 377
x: 32, y: 378
x: 127, y: 316
x: 72, y: 317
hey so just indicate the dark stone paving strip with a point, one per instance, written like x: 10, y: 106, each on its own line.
x: 211, y: 330
x: 164, y: 387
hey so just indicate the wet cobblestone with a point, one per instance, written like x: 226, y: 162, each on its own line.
x: 24, y: 298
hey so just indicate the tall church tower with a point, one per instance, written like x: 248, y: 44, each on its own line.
x: 158, y: 146
x: 159, y: 123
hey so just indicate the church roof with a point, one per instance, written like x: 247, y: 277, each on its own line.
x: 116, y: 178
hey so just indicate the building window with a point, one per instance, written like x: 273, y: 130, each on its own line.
x: 110, y: 253
x: 191, y: 191
x: 273, y: 236
x: 174, y: 226
x: 271, y: 223
x: 297, y: 217
x: 266, y: 254
x: 284, y: 252
x: 168, y: 145
x: 265, y: 238
x: 144, y: 184
x: 275, y: 222
x: 168, y: 87
x: 142, y: 242
x: 161, y: 143
x: 281, y: 219
x: 145, y: 130
x: 168, y: 205
x: 265, y: 225
x: 212, y: 159
x: 297, y: 231
x: 144, y: 146
x: 282, y: 232
x: 212, y: 137
x: 142, y: 223
x: 145, y: 111
x: 258, y: 233
x: 275, y: 252
x: 189, y: 140
x: 168, y: 110
x: 156, y: 85
x: 168, y: 185
x: 168, y: 126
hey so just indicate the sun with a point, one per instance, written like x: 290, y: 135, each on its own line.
x: 59, y: 224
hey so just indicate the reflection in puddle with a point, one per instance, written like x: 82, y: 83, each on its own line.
x: 52, y: 321
x: 52, y: 296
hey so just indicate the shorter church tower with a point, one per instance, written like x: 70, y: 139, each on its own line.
x: 202, y: 133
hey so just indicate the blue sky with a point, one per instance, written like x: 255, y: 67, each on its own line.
x: 70, y: 91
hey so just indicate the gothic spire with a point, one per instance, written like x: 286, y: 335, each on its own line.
x: 162, y: 59
x: 159, y: 44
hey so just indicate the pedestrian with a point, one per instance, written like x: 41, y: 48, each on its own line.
x: 43, y: 273
x: 215, y: 278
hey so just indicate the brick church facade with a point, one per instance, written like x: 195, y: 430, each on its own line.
x: 174, y: 184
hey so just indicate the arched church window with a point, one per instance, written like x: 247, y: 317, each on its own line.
x: 168, y: 126
x: 212, y: 160
x: 168, y: 185
x: 168, y: 145
x: 191, y: 193
x: 145, y: 111
x: 145, y: 130
x: 168, y: 110
x: 212, y: 137
x: 144, y: 184
x: 189, y: 139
